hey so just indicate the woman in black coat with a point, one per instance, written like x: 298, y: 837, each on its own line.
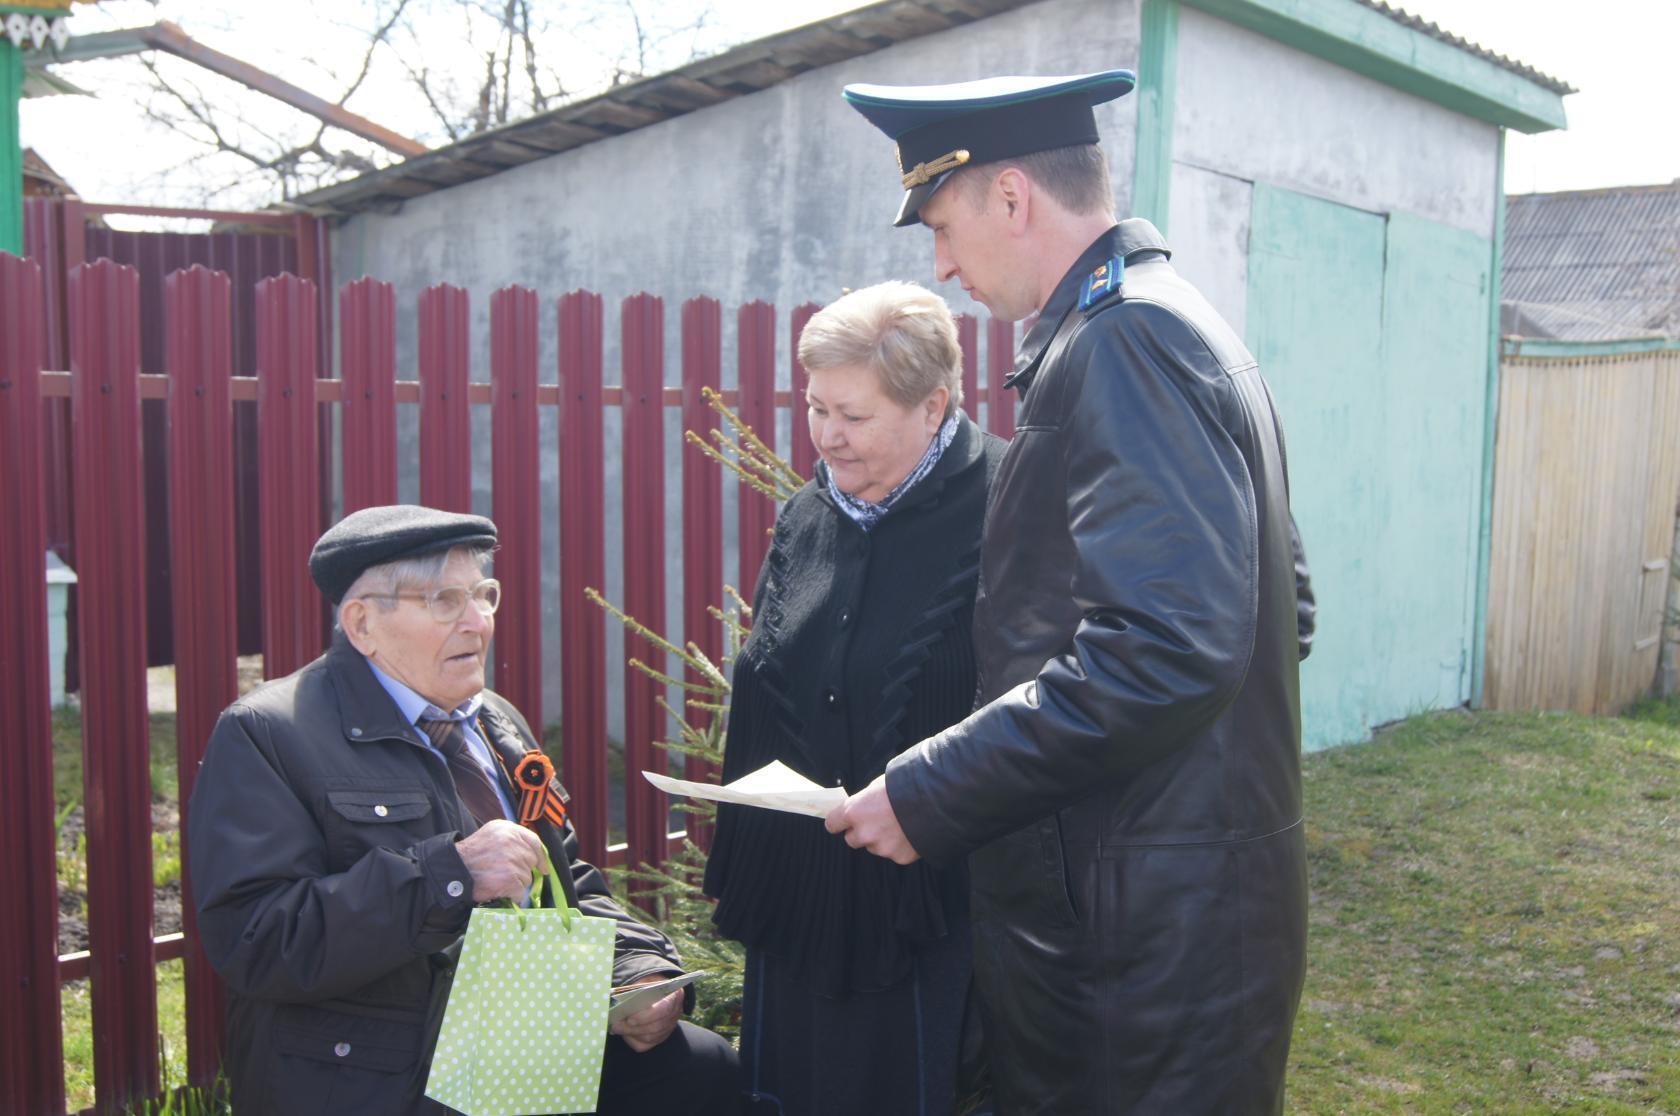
x: 857, y: 968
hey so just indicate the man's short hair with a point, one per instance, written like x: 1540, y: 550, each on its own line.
x: 1076, y: 177
x: 902, y: 331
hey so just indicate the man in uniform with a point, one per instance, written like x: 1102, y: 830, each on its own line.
x: 1128, y: 791
x: 348, y: 817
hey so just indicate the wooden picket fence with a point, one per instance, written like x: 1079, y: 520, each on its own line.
x: 1587, y: 475
x: 105, y: 386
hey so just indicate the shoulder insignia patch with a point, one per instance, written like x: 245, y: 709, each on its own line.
x: 1103, y: 282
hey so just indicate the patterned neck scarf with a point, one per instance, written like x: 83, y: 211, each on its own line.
x: 866, y: 514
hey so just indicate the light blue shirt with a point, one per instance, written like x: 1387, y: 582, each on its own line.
x: 417, y: 709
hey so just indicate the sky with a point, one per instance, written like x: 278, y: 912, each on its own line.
x: 1618, y: 53
x: 1624, y: 124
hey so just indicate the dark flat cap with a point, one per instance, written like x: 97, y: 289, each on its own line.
x: 376, y: 535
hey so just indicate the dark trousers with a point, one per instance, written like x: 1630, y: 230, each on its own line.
x: 692, y: 1073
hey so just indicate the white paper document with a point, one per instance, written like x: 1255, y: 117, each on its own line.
x: 628, y: 1001
x: 774, y: 787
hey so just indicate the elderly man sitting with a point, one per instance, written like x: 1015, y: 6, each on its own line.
x: 348, y: 817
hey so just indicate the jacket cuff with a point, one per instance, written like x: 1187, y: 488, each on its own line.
x: 918, y: 814
x: 449, y: 885
x: 628, y: 968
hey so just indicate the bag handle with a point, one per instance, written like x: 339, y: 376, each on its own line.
x: 556, y: 896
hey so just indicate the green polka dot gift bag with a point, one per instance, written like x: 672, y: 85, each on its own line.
x: 525, y: 1025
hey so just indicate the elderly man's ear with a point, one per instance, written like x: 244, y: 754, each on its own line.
x: 357, y: 621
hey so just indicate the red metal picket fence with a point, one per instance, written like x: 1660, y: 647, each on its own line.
x: 60, y: 233
x: 105, y: 389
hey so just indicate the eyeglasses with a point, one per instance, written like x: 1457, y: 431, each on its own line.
x: 447, y: 604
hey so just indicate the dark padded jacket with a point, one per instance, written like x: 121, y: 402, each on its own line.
x: 1128, y: 792
x: 321, y: 840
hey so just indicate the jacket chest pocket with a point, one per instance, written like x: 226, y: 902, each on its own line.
x: 357, y: 821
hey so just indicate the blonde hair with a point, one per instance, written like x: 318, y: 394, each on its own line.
x: 903, y: 331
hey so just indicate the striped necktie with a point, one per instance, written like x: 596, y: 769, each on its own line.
x: 471, y: 784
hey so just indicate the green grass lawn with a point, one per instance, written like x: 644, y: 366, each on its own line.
x: 67, y: 756
x: 78, y: 1034
x: 1495, y: 921
x: 76, y: 999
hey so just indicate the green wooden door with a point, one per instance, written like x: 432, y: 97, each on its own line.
x: 1371, y: 330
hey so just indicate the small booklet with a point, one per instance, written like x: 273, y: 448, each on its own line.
x: 773, y: 787
x: 628, y: 1001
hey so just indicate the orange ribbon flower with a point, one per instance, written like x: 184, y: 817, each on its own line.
x: 540, y: 794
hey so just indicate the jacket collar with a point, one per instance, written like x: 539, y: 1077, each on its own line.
x: 503, y: 734
x: 365, y: 708
x: 1130, y: 240
x: 368, y: 711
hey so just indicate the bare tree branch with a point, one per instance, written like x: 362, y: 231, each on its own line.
x: 470, y: 65
x: 486, y: 90
x: 505, y: 43
x: 638, y: 45
x: 539, y: 99
x: 380, y: 36
x: 422, y: 81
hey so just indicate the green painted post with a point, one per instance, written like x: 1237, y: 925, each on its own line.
x: 1157, y: 77
x: 11, y: 149
x: 1490, y: 429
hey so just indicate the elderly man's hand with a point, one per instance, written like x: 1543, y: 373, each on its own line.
x: 502, y: 857
x: 653, y: 1024
x: 868, y: 822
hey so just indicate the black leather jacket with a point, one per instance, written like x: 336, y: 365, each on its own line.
x: 1129, y: 788
x: 322, y: 845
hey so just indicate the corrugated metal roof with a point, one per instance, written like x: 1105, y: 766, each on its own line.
x: 1593, y: 265
x: 1504, y: 62
x: 744, y: 69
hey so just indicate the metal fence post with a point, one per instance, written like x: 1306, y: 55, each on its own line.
x: 445, y: 414
x: 516, y: 490
x: 702, y: 508
x: 104, y: 305
x: 199, y: 314
x: 288, y: 485
x: 755, y: 341
x: 31, y: 1055
x: 367, y: 311
x: 802, y: 455
x: 583, y: 634
x: 1000, y: 361
x: 968, y: 340
x: 643, y: 455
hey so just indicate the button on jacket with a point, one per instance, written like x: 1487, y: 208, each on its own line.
x: 1129, y: 792
x: 322, y: 836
